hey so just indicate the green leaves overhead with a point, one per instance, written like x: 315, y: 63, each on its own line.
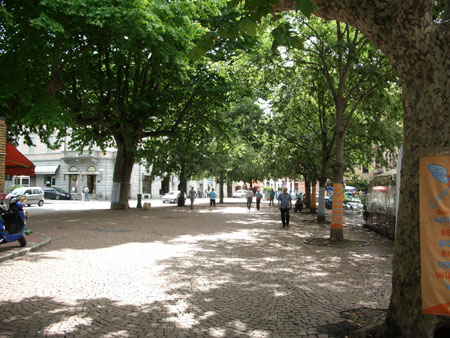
x: 284, y: 36
x: 306, y: 7
x: 245, y: 15
x: 247, y: 25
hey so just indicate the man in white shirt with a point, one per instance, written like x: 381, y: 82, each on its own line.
x: 249, y: 196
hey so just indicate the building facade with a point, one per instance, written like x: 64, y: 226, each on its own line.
x: 93, y: 168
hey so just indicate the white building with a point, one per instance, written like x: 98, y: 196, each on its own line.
x: 72, y: 170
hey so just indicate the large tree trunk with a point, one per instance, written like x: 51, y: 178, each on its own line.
x: 419, y: 51
x: 337, y: 211
x: 426, y: 92
x: 122, y: 175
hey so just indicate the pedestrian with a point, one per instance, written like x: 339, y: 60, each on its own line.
x: 212, y: 199
x: 272, y: 196
x: 192, y: 196
x: 249, y: 196
x: 86, y: 194
x: 284, y: 204
x: 258, y: 198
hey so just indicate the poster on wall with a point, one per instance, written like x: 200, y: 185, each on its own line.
x: 115, y: 193
x: 435, y: 233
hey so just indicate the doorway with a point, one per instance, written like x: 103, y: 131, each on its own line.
x: 91, y: 183
x: 165, y: 184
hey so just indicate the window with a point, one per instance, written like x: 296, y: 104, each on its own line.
x: 365, y: 170
x: 31, y: 148
x: 22, y: 180
x: 147, y: 185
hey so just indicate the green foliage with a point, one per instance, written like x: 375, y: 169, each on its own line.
x: 306, y: 7
x: 248, y: 14
x: 302, y: 128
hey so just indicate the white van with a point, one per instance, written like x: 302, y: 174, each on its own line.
x: 34, y: 195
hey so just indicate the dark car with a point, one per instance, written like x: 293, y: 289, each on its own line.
x: 56, y: 194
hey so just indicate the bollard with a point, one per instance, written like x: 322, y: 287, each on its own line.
x: 139, y: 201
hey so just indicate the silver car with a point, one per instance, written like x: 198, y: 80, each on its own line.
x: 240, y: 194
x: 172, y: 197
x: 33, y: 195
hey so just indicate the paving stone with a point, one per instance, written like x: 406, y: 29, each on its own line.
x: 176, y: 273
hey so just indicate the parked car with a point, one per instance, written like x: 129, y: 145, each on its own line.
x: 56, y: 194
x: 354, y: 204
x: 239, y: 193
x: 34, y: 195
x: 172, y: 197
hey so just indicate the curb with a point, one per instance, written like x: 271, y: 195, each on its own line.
x: 31, y: 247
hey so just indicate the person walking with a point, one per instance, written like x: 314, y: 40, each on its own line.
x: 212, y: 199
x: 284, y: 204
x: 192, y: 196
x: 86, y: 194
x: 249, y: 196
x: 272, y: 197
x: 258, y: 196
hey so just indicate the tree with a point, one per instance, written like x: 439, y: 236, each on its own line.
x: 304, y: 119
x: 306, y: 87
x: 418, y: 48
x: 186, y: 152
x: 119, y: 71
x: 352, y: 70
x: 235, y: 151
x: 26, y: 89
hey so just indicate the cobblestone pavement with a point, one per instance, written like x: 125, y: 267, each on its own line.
x: 172, y: 272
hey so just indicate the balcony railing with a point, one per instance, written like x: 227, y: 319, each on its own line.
x: 93, y: 154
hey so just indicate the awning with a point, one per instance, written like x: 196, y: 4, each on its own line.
x: 16, y: 163
x: 46, y: 169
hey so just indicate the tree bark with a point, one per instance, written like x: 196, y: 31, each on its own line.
x: 418, y: 50
x: 221, y: 192
x: 321, y: 210
x: 307, y: 193
x: 426, y: 95
x: 122, y: 174
x: 337, y: 210
x: 313, y: 208
x: 182, y: 186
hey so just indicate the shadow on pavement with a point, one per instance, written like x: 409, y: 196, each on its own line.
x: 173, y: 272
